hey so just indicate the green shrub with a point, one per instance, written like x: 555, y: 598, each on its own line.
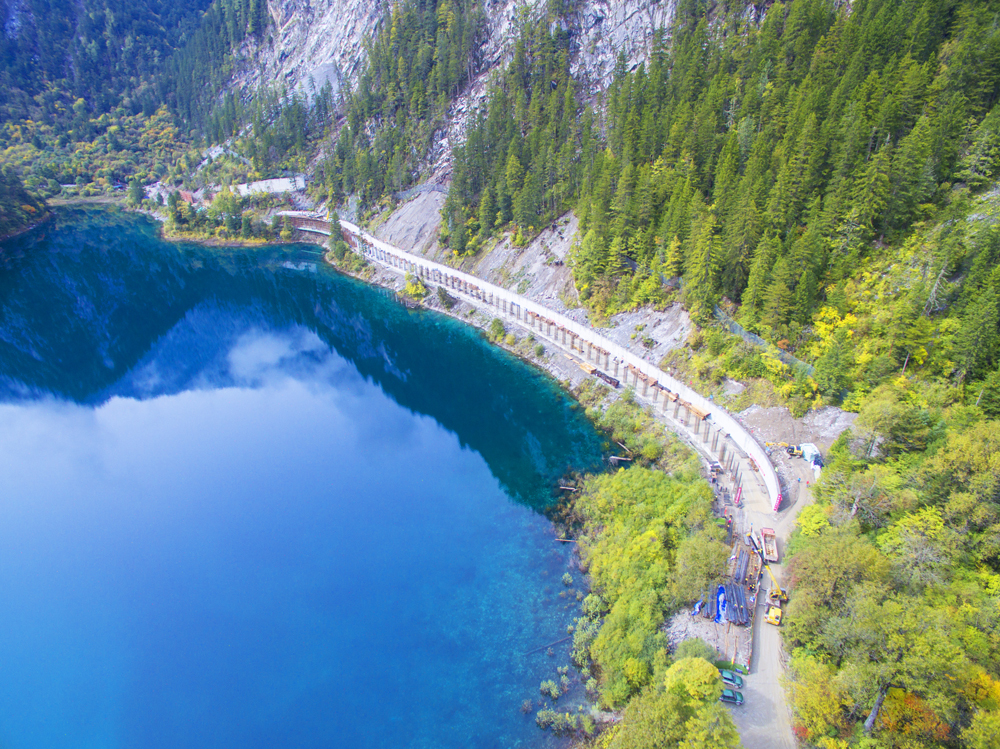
x: 414, y: 287
x: 446, y: 299
x: 550, y: 689
x: 695, y: 648
x: 560, y: 723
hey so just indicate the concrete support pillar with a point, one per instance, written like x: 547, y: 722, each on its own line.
x: 616, y: 367
x: 677, y: 408
x: 645, y: 385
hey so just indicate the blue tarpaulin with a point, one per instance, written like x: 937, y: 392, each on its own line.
x: 721, y: 612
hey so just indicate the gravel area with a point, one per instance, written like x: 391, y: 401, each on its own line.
x: 776, y: 424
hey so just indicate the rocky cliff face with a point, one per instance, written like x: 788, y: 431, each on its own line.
x: 601, y: 29
x: 324, y: 40
x: 317, y: 40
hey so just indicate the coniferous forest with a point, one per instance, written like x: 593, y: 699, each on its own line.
x: 820, y: 174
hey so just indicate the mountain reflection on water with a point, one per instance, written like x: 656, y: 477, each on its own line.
x: 247, y: 502
x: 95, y: 307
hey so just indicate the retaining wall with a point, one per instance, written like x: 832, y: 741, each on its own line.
x: 536, y: 316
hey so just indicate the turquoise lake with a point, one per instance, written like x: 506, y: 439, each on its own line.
x: 247, y: 502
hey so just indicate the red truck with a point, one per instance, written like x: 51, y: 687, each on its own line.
x: 770, y: 543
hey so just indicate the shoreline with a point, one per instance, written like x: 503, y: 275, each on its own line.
x: 566, y: 372
x: 571, y: 367
x: 46, y: 217
x: 119, y: 202
x: 565, y: 366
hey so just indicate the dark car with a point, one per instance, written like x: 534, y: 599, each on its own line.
x: 730, y: 679
x: 731, y: 696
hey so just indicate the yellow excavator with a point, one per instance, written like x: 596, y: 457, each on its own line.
x: 776, y: 593
x: 776, y: 596
x: 794, y: 450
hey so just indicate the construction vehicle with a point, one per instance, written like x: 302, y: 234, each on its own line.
x: 776, y: 595
x: 773, y: 615
x: 769, y: 543
x: 794, y: 451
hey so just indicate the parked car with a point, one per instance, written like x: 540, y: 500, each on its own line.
x: 731, y: 696
x: 731, y: 679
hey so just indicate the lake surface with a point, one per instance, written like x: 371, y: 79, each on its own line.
x: 245, y: 502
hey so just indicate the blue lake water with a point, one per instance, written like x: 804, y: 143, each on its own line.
x: 245, y: 502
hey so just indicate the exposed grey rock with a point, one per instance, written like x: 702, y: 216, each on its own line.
x: 314, y: 41
x: 322, y: 40
x: 600, y: 29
